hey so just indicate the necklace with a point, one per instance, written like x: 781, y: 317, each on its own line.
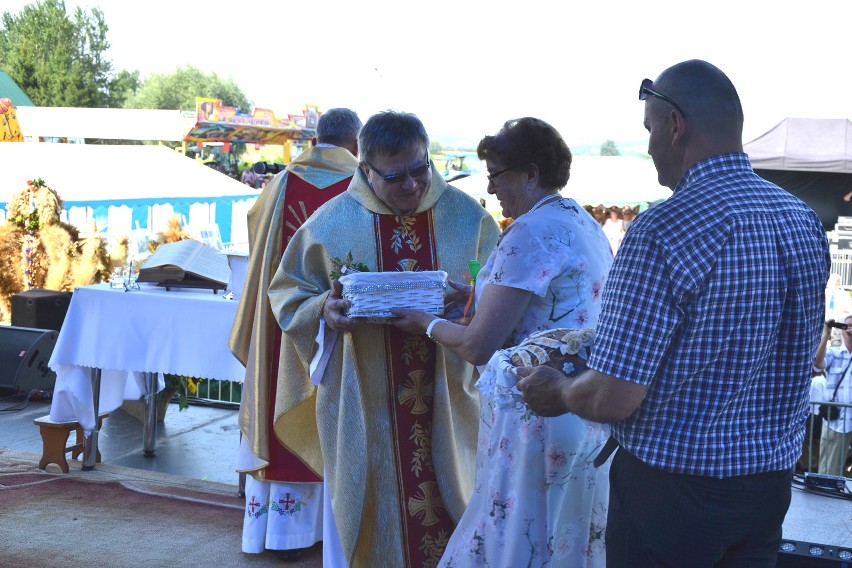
x: 542, y: 201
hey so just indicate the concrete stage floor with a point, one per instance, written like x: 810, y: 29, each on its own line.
x: 200, y: 442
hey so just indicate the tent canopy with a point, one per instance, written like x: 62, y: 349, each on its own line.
x: 595, y: 180
x: 810, y: 158
x: 139, y: 177
x: 105, y: 123
x: 220, y: 123
x: 804, y: 144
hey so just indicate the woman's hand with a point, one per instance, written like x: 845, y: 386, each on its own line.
x: 412, y: 321
x: 335, y: 308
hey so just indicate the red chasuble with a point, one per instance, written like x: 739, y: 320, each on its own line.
x: 408, y: 243
x: 301, y: 199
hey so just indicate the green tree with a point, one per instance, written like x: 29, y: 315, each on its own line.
x: 609, y: 148
x: 178, y: 90
x: 435, y: 147
x: 59, y: 60
x: 122, y: 87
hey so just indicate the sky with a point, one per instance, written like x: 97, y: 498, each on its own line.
x: 466, y: 66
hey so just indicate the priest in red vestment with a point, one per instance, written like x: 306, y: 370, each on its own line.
x: 283, y: 496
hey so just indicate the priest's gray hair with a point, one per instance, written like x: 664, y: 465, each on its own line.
x: 338, y: 126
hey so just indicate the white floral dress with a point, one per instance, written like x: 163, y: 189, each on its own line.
x: 538, y: 501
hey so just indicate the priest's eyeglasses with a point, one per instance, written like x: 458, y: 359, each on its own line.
x: 414, y: 172
x: 645, y: 90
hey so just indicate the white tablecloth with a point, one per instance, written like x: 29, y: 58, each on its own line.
x: 125, y: 334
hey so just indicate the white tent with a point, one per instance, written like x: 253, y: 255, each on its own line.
x: 804, y: 144
x: 104, y: 123
x: 128, y: 187
x: 812, y: 159
x: 595, y: 180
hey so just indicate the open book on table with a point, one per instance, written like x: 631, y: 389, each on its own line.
x: 186, y: 264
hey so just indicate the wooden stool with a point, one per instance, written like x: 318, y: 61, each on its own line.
x: 54, y: 437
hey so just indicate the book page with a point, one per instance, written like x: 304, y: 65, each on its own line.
x: 175, y: 261
x: 179, y: 253
x: 210, y: 264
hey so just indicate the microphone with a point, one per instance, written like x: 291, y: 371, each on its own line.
x: 267, y: 168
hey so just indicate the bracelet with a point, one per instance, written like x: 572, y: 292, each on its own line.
x: 431, y: 326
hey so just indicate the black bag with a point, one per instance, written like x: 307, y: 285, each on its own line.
x: 829, y: 412
x: 832, y: 412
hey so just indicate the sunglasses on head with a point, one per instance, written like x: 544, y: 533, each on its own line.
x: 414, y: 172
x: 645, y: 90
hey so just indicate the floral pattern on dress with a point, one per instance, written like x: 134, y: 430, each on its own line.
x: 538, y: 500
x: 556, y: 253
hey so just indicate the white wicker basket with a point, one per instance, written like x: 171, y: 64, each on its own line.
x: 373, y: 294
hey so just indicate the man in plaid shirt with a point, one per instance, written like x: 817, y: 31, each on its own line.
x: 711, y: 317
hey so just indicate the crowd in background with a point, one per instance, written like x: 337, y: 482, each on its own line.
x: 246, y: 176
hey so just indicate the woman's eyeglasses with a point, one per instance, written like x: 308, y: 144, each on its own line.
x: 414, y: 172
x: 645, y: 90
x: 492, y: 177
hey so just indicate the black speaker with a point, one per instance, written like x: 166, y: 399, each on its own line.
x: 24, y: 353
x: 40, y: 309
x: 797, y: 554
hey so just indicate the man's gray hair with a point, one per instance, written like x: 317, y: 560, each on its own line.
x: 390, y: 132
x: 338, y: 126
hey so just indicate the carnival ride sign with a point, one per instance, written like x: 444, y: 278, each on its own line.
x: 218, y: 123
x: 10, y: 130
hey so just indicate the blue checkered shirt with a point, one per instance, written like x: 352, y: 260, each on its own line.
x: 715, y: 302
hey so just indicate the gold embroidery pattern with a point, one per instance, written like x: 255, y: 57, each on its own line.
x: 405, y: 234
x: 299, y: 220
x: 416, y: 393
x: 422, y: 438
x: 427, y: 504
x: 413, y: 346
x: 433, y: 548
x: 407, y: 264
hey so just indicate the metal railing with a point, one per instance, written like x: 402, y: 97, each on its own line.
x: 841, y: 263
x: 226, y: 394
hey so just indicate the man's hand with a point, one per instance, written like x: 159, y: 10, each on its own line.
x: 457, y: 295
x: 543, y: 389
x: 819, y: 358
x: 335, y: 308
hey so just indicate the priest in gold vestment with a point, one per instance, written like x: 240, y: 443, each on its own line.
x: 283, y: 496
x: 389, y: 418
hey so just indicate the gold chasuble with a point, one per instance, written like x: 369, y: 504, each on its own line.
x: 314, y: 176
x: 395, y: 415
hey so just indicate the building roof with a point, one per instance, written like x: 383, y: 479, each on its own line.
x: 10, y: 89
